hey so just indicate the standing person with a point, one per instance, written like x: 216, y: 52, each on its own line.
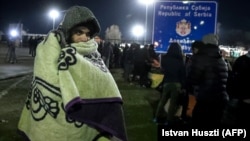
x: 174, y: 70
x: 107, y: 53
x: 116, y: 56
x: 153, y: 59
x: 30, y: 45
x: 100, y: 43
x: 36, y: 41
x: 239, y: 89
x: 129, y: 56
x: 73, y: 96
x: 209, y: 72
x: 192, y: 92
x: 13, y: 44
x: 153, y: 55
x: 124, y: 53
x: 223, y: 54
x: 142, y: 65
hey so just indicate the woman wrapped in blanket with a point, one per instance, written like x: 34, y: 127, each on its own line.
x: 73, y: 96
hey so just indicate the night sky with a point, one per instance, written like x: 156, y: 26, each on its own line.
x: 33, y: 14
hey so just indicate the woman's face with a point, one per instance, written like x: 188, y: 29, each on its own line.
x: 81, y: 34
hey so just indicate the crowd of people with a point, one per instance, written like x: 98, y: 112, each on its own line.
x: 32, y: 43
x: 206, y: 75
x: 73, y: 95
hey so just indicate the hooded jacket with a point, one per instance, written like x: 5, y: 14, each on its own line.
x: 209, y: 72
x: 78, y: 15
x: 73, y: 96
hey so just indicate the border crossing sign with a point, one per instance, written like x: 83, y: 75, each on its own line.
x: 183, y: 22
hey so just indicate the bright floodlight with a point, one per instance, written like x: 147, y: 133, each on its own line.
x: 147, y: 2
x: 53, y: 14
x: 13, y: 33
x: 138, y: 30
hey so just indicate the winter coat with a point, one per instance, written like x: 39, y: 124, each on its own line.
x: 173, y: 66
x: 238, y: 87
x: 209, y: 72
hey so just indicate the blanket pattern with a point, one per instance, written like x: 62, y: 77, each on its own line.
x: 64, y: 97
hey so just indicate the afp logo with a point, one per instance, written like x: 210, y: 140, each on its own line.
x: 183, y: 27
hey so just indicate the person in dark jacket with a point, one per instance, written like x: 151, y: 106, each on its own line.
x: 188, y: 61
x: 11, y: 54
x: 209, y: 72
x: 174, y: 70
x: 239, y: 89
x: 107, y: 53
x: 142, y: 65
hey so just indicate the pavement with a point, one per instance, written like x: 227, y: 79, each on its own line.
x: 23, y: 66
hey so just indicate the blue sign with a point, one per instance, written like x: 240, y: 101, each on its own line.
x: 183, y: 22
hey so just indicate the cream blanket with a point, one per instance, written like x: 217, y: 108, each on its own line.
x: 73, y: 96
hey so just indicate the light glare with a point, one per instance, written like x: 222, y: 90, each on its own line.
x: 138, y: 30
x: 147, y: 2
x: 13, y: 33
x: 53, y: 14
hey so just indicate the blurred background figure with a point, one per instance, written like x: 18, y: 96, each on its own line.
x: 11, y: 54
x: 107, y: 53
x: 174, y: 80
x: 238, y: 90
x: 209, y: 72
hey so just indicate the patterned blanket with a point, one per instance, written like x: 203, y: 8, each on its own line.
x: 73, y: 96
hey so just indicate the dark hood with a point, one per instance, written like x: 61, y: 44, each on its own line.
x: 78, y: 15
x: 210, y: 50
